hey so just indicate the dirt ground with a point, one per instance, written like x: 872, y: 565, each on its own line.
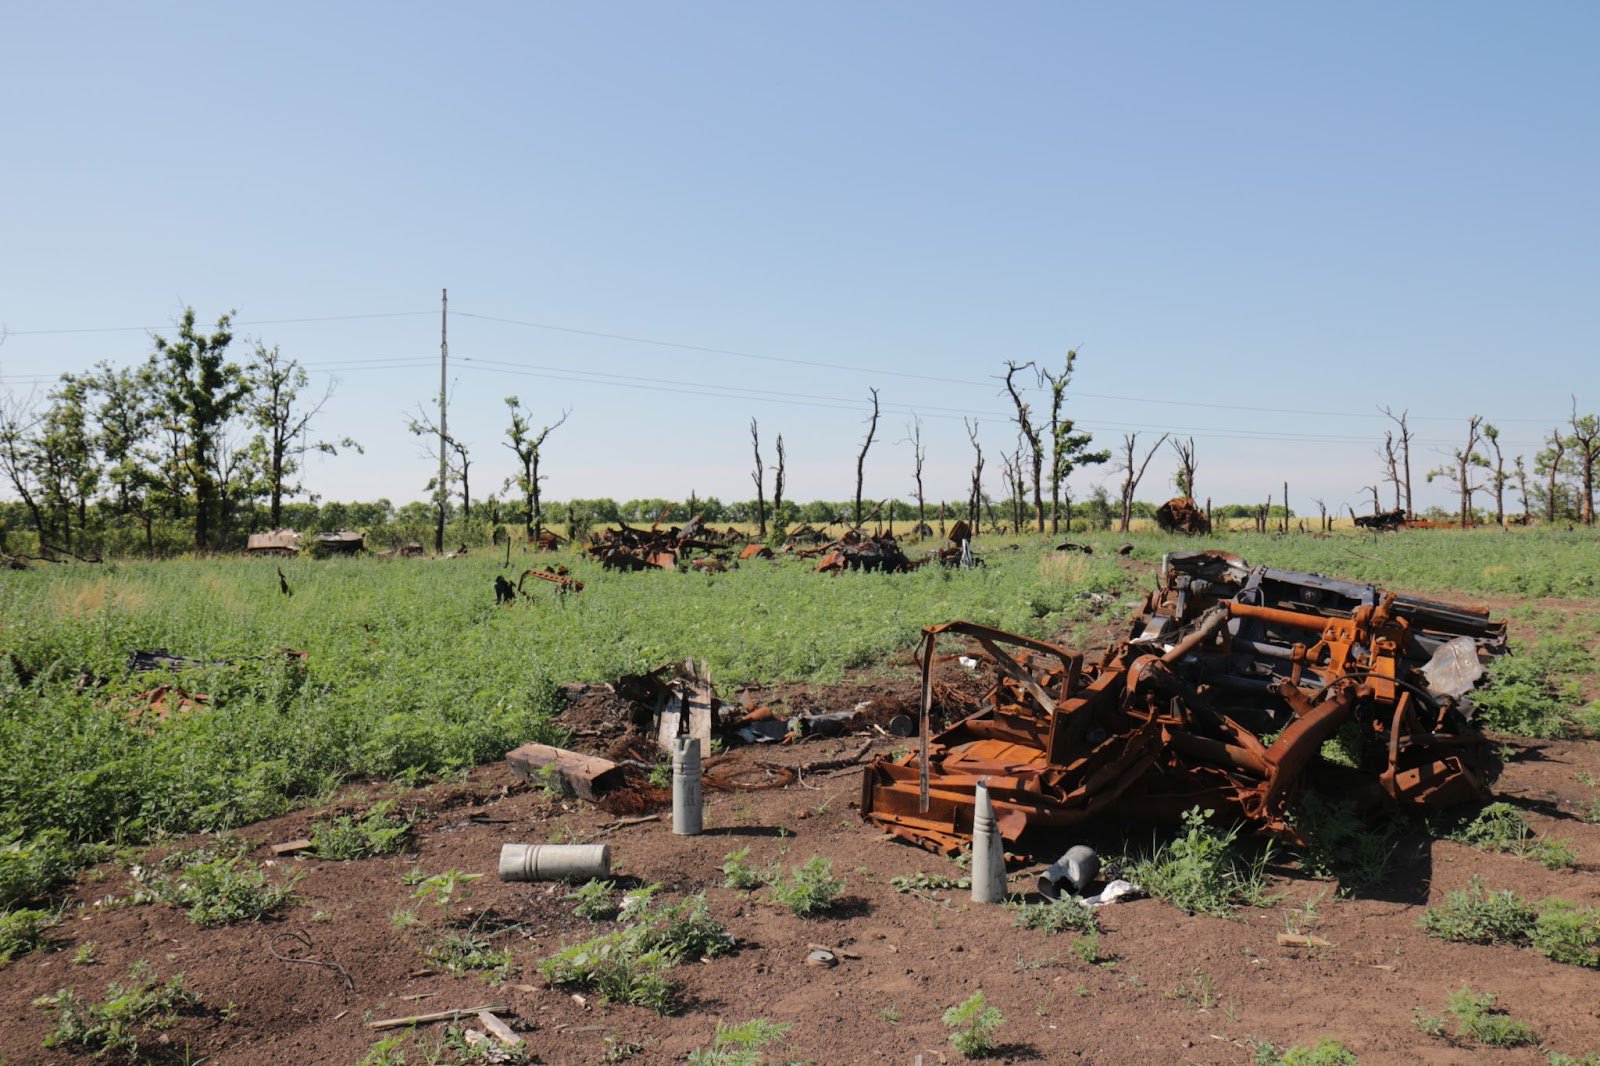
x: 1174, y: 988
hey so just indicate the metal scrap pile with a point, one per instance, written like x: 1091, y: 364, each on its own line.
x: 856, y: 551
x: 1182, y: 515
x: 627, y: 548
x: 1231, y: 680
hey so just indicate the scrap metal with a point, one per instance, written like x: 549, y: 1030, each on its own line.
x: 1230, y: 681
x: 856, y: 551
x: 627, y: 548
x: 1182, y: 515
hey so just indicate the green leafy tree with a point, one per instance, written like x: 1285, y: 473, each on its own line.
x: 1069, y: 447
x: 1584, y: 444
x: 1459, y: 471
x: 202, y: 390
x: 527, y: 446
x: 283, y: 423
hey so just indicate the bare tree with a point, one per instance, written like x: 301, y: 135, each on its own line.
x: 457, y: 462
x: 1322, y: 510
x: 1391, y: 463
x: 975, y: 494
x: 1030, y: 435
x: 1184, y: 475
x: 759, y: 477
x: 1405, y: 450
x: 1016, y: 480
x: 861, y: 460
x: 1459, y: 471
x: 1498, y: 476
x: 1585, y: 446
x: 528, y: 447
x: 777, y: 488
x: 1375, y: 505
x: 1549, y: 462
x: 918, y: 455
x: 1133, y: 473
x: 1522, y: 487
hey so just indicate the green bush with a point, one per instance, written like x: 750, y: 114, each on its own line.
x: 1565, y: 932
x: 1201, y: 871
x: 1477, y: 915
x: 1477, y: 1018
x: 30, y: 869
x: 973, y: 1024
x: 809, y: 889
x: 1340, y: 845
x: 378, y: 832
x: 1501, y: 827
x: 467, y: 952
x: 125, y: 1021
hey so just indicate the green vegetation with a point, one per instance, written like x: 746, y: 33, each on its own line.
x: 215, y: 883
x: 1478, y: 1019
x: 973, y: 1024
x: 632, y: 964
x: 1342, y: 846
x: 379, y: 832
x: 594, y: 902
x: 1501, y: 827
x: 740, y: 1045
x: 23, y: 930
x: 1325, y: 1052
x: 739, y: 873
x: 1057, y: 917
x: 1202, y: 872
x: 131, y: 1014
x: 466, y: 951
x: 1558, y: 929
x: 809, y: 889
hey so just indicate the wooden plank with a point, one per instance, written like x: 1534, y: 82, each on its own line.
x: 581, y: 775
x: 437, y: 1016
x: 289, y: 847
x: 502, y: 1032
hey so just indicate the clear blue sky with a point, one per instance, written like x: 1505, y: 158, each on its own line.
x: 1301, y: 209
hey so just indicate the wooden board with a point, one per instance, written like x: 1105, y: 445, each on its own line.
x: 585, y: 776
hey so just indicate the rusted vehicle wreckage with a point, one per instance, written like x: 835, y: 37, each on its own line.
x: 1231, y: 680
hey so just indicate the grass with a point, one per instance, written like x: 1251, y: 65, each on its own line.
x: 973, y: 1024
x: 740, y: 1045
x: 1479, y: 1020
x: 411, y: 671
x: 633, y: 964
x: 379, y: 832
x: 1202, y: 871
x: 809, y: 889
x: 215, y: 884
x: 133, y: 1013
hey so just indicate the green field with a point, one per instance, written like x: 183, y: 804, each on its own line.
x: 413, y: 671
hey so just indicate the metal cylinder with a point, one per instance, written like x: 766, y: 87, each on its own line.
x: 687, y: 800
x: 988, y: 852
x: 554, y: 862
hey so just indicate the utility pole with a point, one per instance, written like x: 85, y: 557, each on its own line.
x: 444, y: 358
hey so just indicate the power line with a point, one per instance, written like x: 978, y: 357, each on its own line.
x: 252, y: 322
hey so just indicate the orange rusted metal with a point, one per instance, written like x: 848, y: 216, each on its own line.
x: 1222, y: 657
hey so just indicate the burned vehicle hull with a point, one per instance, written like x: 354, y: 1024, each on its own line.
x: 1232, y: 679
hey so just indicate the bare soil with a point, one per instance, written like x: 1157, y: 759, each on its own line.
x: 1174, y: 988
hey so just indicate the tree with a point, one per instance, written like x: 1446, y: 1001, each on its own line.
x: 1184, y: 475
x: 1522, y: 487
x: 759, y: 477
x: 975, y: 492
x: 527, y: 446
x: 777, y: 489
x: 1030, y: 436
x: 1584, y: 444
x: 918, y: 455
x: 284, y: 424
x: 127, y: 421
x: 18, y: 424
x: 1459, y: 472
x: 1405, y: 449
x: 1069, y: 449
x: 67, y: 465
x: 1391, y: 463
x: 861, y: 460
x: 1133, y: 473
x: 1551, y: 463
x: 457, y: 467
x: 202, y: 391
x: 1498, y: 476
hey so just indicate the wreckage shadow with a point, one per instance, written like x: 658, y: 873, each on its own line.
x: 1016, y: 1053
x: 847, y: 907
x: 748, y: 831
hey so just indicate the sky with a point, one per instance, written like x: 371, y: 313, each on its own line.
x: 1255, y: 222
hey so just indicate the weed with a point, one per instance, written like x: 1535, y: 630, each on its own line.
x: 1325, y: 1052
x: 1305, y: 918
x: 1558, y: 1059
x: 1591, y: 813
x: 23, y: 930
x: 446, y: 889
x: 1200, y: 993
x: 739, y: 873
x: 594, y: 900
x: 1565, y: 932
x: 1477, y: 915
x: 920, y: 882
x: 1501, y: 827
x: 1201, y: 871
x: 404, y: 919
x: 1522, y: 695
x: 379, y: 832
x: 740, y: 1045
x: 386, y: 1052
x: 84, y: 956
x: 1477, y: 1018
x: 890, y: 1014
x: 468, y: 952
x: 29, y: 870
x: 973, y: 1024
x: 618, y: 1050
x: 131, y: 1013
x: 1056, y: 917
x: 216, y: 885
x: 1340, y: 845
x: 1087, y: 947
x: 810, y: 888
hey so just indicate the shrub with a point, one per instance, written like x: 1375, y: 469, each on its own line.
x: 23, y: 931
x: 1201, y: 871
x: 594, y: 900
x: 1565, y: 932
x: 739, y: 873
x: 131, y: 1012
x: 740, y: 1045
x: 973, y: 1024
x: 467, y: 952
x: 1477, y: 1018
x: 1477, y: 915
x: 810, y: 889
x: 1057, y: 917
x: 216, y: 885
x: 29, y: 870
x: 379, y: 832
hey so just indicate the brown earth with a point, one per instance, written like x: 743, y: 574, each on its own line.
x: 1176, y: 988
